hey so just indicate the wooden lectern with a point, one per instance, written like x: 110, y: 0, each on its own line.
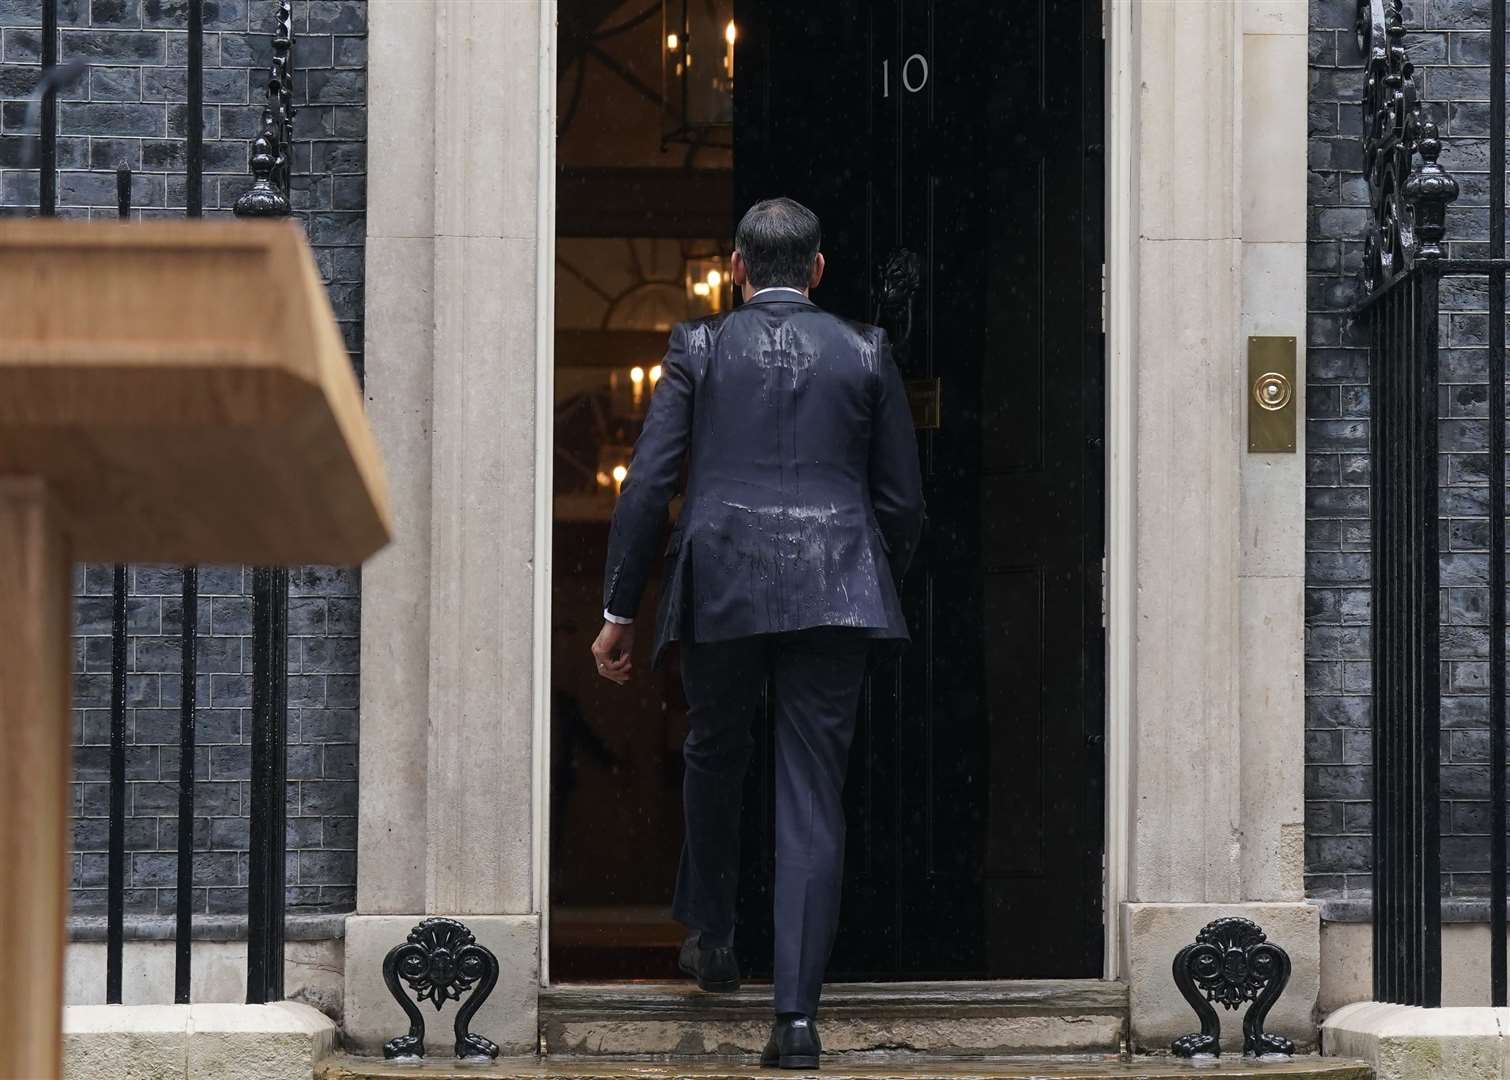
x: 169, y: 392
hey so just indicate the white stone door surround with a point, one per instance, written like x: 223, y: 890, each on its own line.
x: 1206, y: 240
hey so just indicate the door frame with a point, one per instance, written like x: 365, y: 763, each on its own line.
x: 1118, y: 299
x: 545, y: 486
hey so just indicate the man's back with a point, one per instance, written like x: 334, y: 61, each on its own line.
x: 804, y: 503
x: 803, y: 496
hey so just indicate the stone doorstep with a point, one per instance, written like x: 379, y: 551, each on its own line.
x: 910, y: 1068
x: 1404, y: 1042
x: 959, y: 1019
x: 281, y: 1041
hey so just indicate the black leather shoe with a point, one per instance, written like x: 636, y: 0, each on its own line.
x: 716, y: 970
x: 793, y: 1044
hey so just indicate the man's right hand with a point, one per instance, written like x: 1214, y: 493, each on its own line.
x: 612, y: 650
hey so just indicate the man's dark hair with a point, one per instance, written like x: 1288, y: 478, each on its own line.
x: 779, y: 241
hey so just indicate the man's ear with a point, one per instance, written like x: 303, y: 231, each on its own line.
x: 817, y: 272
x: 739, y: 271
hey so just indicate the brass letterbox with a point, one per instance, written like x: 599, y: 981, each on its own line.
x: 925, y: 398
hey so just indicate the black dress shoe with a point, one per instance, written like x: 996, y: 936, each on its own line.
x: 716, y: 970
x: 793, y: 1044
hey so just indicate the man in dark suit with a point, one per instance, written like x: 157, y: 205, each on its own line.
x: 803, y: 508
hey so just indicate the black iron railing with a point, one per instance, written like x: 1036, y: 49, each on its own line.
x: 269, y: 197
x: 265, y: 860
x: 1406, y: 270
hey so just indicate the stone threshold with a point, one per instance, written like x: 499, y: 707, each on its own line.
x: 835, y: 1067
x: 961, y: 1019
x: 840, y: 1000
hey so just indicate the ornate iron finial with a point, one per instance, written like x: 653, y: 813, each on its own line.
x: 271, y: 163
x: 1408, y: 206
x: 264, y: 199
x: 1231, y: 962
x: 441, y: 961
x: 1428, y: 190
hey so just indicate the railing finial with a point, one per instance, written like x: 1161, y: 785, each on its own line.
x: 1428, y: 190
x: 272, y: 162
x: 1408, y: 205
x: 264, y: 199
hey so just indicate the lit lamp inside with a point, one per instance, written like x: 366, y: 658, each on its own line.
x: 613, y: 467
x: 708, y: 287
x: 697, y: 70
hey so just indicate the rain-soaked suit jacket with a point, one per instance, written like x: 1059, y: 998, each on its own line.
x: 804, y: 498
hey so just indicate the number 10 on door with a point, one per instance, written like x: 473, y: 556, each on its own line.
x: 914, y: 74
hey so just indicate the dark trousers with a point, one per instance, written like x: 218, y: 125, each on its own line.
x: 815, y: 677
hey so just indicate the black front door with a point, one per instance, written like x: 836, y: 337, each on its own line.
x: 967, y: 133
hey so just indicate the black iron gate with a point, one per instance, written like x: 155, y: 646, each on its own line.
x: 1406, y: 271
x: 268, y: 197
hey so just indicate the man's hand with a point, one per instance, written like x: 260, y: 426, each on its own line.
x: 611, y: 651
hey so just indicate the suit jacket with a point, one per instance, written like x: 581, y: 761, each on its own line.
x: 804, y: 497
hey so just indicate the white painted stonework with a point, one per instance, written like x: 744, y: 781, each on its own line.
x: 1205, y: 246
x: 1216, y: 804
x: 1347, y: 973
x: 313, y: 973
x: 283, y: 1041
x: 451, y: 714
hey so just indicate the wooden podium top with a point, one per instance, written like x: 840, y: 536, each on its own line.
x: 184, y: 392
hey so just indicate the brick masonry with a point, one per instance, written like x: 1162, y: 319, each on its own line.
x: 1449, y: 45
x: 129, y: 109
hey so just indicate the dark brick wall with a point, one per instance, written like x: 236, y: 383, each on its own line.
x: 1450, y: 47
x: 322, y: 735
x: 129, y: 109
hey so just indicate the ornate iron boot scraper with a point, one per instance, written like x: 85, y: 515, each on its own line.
x: 441, y: 961
x: 1231, y: 962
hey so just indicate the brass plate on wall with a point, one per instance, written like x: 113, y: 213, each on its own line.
x: 925, y: 397
x: 1272, y: 394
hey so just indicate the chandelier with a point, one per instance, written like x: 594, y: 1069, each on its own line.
x: 697, y: 71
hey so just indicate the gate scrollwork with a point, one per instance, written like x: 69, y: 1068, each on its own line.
x: 1408, y: 204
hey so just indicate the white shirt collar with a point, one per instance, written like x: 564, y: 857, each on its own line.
x: 777, y: 288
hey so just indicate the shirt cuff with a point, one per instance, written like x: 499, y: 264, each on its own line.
x: 616, y: 619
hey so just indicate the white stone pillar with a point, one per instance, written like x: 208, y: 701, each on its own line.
x: 1276, y: 81
x: 483, y: 469
x: 448, y: 631
x: 1186, y: 844
x: 399, y: 354
x: 1216, y: 807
